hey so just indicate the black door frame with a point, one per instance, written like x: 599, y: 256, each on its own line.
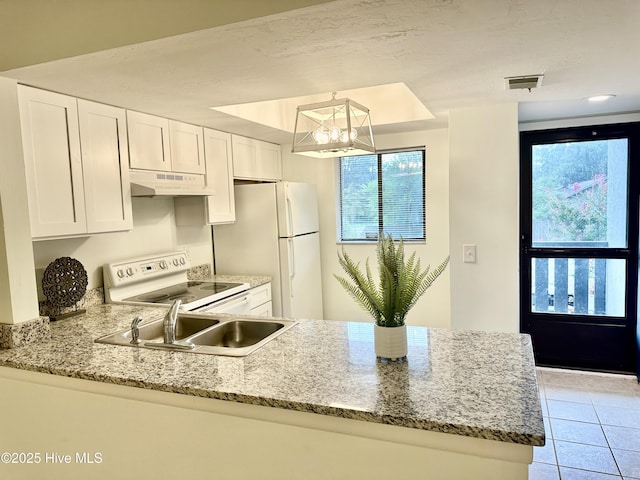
x: 529, y: 319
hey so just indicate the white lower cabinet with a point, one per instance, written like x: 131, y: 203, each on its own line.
x: 260, y: 300
x: 74, y: 191
x: 255, y: 159
x: 218, y: 208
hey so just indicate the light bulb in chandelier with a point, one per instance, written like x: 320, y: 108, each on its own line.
x: 321, y: 136
x: 335, y: 134
x: 344, y: 137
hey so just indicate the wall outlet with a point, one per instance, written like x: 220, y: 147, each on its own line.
x: 469, y: 253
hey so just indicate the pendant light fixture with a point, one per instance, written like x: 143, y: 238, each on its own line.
x: 335, y: 128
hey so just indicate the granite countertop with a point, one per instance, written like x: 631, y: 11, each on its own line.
x: 468, y: 383
x: 252, y: 280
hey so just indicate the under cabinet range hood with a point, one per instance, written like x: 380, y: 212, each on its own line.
x: 150, y: 183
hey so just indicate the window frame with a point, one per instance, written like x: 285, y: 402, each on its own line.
x: 581, y: 340
x: 379, y: 154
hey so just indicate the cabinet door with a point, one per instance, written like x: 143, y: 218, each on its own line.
x: 148, y: 142
x: 264, y: 310
x: 269, y: 161
x: 105, y: 162
x: 187, y: 150
x: 221, y: 206
x: 255, y: 160
x: 53, y: 168
x: 245, y: 154
x: 259, y: 295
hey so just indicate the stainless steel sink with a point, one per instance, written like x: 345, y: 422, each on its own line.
x: 231, y: 336
x: 186, y: 325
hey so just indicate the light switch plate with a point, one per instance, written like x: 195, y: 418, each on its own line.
x: 469, y: 253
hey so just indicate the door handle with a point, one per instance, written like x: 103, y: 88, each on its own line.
x: 292, y: 266
x: 290, y: 214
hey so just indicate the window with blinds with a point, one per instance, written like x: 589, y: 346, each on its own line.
x: 382, y: 194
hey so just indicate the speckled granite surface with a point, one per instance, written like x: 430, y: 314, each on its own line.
x: 252, y: 280
x: 467, y: 383
x: 199, y: 272
x: 94, y: 296
x: 203, y: 273
x: 25, y: 333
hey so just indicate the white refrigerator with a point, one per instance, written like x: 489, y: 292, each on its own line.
x: 276, y: 233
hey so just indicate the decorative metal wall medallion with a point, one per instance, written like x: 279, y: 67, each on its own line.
x: 64, y: 284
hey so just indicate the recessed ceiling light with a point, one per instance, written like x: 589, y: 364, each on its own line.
x: 600, y: 98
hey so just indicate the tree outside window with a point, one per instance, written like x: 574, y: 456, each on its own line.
x: 382, y: 194
x: 571, y: 192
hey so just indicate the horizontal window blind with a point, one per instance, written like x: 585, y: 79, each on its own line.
x: 383, y: 194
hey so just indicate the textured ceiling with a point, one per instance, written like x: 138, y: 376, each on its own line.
x: 450, y: 53
x: 39, y: 31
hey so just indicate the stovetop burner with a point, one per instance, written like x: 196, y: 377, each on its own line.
x: 188, y: 292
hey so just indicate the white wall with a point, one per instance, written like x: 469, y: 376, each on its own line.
x: 433, y: 308
x: 153, y: 231
x: 483, y: 201
x: 17, y: 285
x: 580, y: 121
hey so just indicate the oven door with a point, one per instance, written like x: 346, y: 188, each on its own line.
x: 235, y: 305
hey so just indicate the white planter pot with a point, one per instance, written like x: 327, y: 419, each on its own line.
x: 390, y: 342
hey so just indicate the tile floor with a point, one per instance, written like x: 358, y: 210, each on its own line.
x: 592, y: 424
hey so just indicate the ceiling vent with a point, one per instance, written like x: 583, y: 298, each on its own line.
x: 528, y: 82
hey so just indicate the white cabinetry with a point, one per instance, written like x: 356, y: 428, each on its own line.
x: 156, y: 143
x: 260, y: 300
x: 221, y: 206
x: 63, y: 199
x: 256, y: 160
x: 105, y: 164
x: 53, y: 167
x: 149, y: 146
x: 187, y: 149
x: 218, y: 208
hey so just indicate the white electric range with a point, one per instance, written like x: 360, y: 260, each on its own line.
x: 161, y: 279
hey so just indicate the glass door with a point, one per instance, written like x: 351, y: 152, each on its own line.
x: 579, y: 246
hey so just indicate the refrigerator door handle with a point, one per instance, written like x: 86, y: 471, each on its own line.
x: 292, y: 266
x: 290, y: 214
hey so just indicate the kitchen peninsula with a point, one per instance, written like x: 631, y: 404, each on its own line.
x: 312, y: 403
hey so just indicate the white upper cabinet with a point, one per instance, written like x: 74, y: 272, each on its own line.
x: 220, y: 207
x: 105, y: 162
x: 149, y: 147
x: 187, y: 149
x: 53, y: 166
x: 156, y: 143
x: 256, y: 160
x: 269, y: 161
x: 76, y: 165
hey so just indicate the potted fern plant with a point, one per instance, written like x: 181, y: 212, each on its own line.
x: 401, y: 282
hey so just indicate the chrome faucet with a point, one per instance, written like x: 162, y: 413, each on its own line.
x: 135, y: 332
x: 169, y: 323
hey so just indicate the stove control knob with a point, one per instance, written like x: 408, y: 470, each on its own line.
x: 182, y: 261
x: 120, y: 274
x: 129, y: 271
x: 176, y: 262
x: 163, y: 265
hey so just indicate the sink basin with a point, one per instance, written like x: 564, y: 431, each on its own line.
x: 237, y: 333
x: 186, y: 325
x: 230, y: 336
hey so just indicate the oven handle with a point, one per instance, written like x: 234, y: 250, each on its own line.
x: 238, y: 304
